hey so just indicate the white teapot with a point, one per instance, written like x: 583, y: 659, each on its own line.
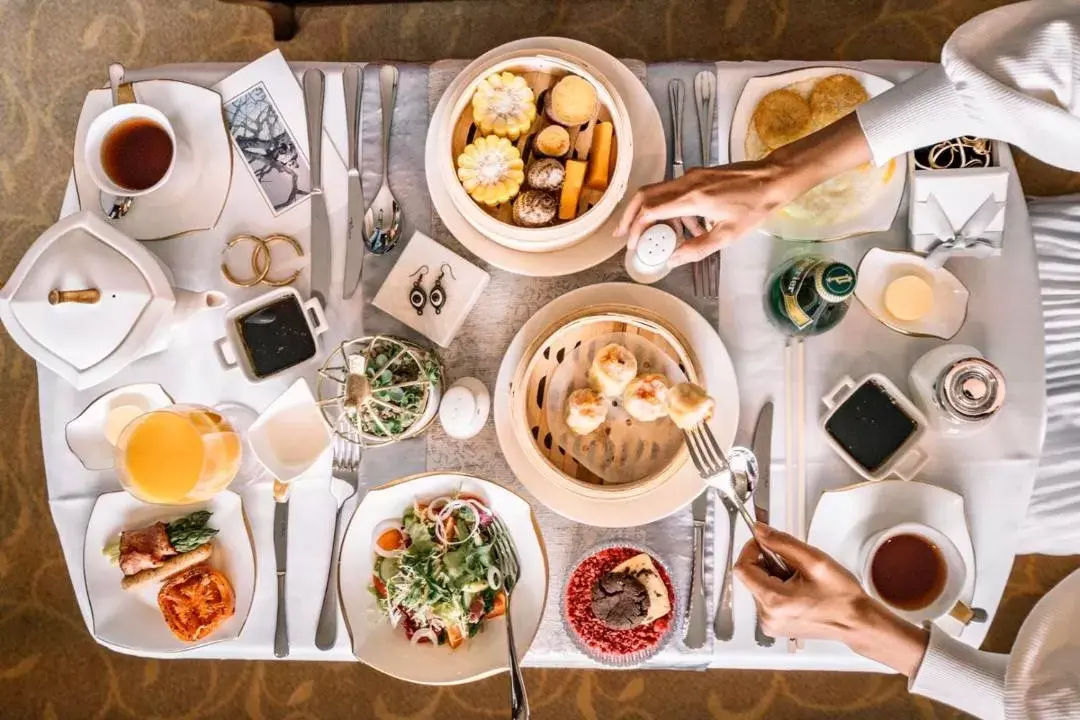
x: 86, y: 300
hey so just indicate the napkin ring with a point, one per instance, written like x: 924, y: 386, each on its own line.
x: 260, y: 260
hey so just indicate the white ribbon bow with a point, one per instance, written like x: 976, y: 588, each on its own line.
x: 967, y: 237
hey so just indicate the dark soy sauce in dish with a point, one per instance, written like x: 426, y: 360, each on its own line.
x: 276, y: 337
x: 870, y: 426
x: 908, y: 572
x: 136, y: 153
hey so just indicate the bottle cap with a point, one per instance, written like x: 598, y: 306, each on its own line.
x: 834, y: 281
x: 972, y: 389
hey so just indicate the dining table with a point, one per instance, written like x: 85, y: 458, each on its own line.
x: 994, y: 471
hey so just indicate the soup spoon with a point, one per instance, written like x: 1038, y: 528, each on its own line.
x: 382, y: 221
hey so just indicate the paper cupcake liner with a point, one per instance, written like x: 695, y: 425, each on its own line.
x: 633, y: 659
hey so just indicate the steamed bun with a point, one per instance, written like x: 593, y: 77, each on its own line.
x: 689, y: 404
x: 612, y: 370
x: 646, y: 397
x: 586, y: 410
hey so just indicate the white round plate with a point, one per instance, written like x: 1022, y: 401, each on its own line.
x: 385, y: 648
x: 86, y: 434
x: 718, y: 376
x: 184, y: 204
x: 846, y: 518
x: 130, y: 619
x: 877, y: 217
x: 650, y: 160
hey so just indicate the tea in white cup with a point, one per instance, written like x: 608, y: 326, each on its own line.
x: 131, y: 150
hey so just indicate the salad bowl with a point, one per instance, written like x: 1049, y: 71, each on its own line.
x: 401, y: 649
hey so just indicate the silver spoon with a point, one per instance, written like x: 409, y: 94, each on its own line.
x: 382, y: 221
x: 115, y: 206
x: 742, y: 462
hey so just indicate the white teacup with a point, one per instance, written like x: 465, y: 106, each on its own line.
x: 108, y: 121
x: 955, y: 571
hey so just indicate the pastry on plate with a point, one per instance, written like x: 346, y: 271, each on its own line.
x: 491, y: 170
x: 612, y: 370
x: 689, y: 405
x: 781, y: 117
x: 834, y: 97
x: 535, y: 208
x: 553, y: 141
x: 546, y: 174
x: 586, y: 410
x: 645, y: 398
x: 573, y: 101
x: 196, y: 602
x: 503, y: 105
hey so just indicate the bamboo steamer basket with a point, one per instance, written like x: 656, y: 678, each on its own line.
x: 456, y: 130
x: 528, y: 393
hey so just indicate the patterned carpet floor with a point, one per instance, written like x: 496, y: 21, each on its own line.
x: 54, y: 50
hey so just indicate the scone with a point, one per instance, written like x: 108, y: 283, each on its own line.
x: 586, y: 410
x: 645, y: 398
x: 689, y: 405
x: 612, y: 370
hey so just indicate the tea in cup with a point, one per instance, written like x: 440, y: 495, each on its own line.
x: 132, y: 150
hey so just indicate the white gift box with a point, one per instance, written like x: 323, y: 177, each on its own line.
x: 959, y: 193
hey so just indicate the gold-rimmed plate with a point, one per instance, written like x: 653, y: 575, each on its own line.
x: 874, y: 193
x: 194, y: 197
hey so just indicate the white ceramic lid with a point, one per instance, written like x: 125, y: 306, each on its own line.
x: 85, y: 342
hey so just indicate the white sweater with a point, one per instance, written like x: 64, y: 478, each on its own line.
x: 1010, y: 74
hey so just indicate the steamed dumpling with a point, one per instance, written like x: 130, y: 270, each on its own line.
x: 612, y: 370
x: 586, y: 410
x: 689, y: 405
x: 646, y: 397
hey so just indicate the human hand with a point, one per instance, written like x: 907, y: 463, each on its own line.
x: 733, y: 200
x: 824, y: 601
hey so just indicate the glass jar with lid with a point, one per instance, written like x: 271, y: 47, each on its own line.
x: 957, y: 388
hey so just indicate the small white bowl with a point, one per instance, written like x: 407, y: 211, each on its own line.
x: 880, y: 267
x: 290, y: 435
x: 554, y: 237
x: 955, y: 568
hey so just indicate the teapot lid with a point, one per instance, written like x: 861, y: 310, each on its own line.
x: 85, y: 299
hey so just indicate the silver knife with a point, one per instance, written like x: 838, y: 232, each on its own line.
x: 281, y: 552
x: 676, y: 93
x: 314, y: 92
x: 762, y: 443
x: 353, y: 78
x: 696, y: 626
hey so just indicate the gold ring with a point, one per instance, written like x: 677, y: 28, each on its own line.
x: 266, y: 243
x: 260, y: 249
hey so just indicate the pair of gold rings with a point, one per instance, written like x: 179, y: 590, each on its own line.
x: 260, y: 260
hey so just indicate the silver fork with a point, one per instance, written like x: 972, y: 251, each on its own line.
x: 707, y: 271
x: 344, y: 484
x: 711, y: 463
x: 506, y: 558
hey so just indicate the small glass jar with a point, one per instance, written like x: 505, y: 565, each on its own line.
x: 957, y: 388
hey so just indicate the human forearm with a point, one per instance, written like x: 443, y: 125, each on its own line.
x: 880, y: 635
x: 815, y: 158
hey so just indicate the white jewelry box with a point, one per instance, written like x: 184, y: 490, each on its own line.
x: 463, y: 289
x: 959, y: 192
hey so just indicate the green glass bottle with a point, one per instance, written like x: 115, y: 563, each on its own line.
x: 809, y: 294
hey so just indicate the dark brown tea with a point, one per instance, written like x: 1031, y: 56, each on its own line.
x: 136, y: 153
x: 908, y: 572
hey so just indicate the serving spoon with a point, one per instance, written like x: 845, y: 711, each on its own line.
x: 382, y: 221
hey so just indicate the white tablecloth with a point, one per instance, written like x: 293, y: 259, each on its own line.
x: 995, y: 473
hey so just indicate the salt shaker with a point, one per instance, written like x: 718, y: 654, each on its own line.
x: 648, y: 261
x: 464, y: 408
x: 957, y: 388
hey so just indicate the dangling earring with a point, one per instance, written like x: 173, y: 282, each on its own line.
x: 417, y: 297
x: 438, y: 294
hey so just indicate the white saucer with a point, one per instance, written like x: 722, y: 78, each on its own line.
x: 877, y: 217
x: 846, y: 518
x: 86, y: 434
x: 650, y: 161
x: 181, y: 207
x: 668, y: 497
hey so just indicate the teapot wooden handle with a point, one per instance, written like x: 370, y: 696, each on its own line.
x: 87, y: 297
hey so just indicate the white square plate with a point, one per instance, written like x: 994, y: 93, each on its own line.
x: 130, y: 618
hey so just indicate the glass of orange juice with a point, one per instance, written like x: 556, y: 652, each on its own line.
x: 178, y: 455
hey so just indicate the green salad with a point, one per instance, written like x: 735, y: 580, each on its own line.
x: 434, y: 575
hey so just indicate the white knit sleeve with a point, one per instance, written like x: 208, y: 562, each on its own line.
x: 959, y: 675
x: 1010, y: 74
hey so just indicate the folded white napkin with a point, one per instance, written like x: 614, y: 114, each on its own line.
x: 463, y: 284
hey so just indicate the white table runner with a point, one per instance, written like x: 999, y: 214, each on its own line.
x: 995, y: 473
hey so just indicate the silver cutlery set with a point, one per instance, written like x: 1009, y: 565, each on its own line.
x: 375, y: 230
x: 706, y: 273
x: 741, y: 478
